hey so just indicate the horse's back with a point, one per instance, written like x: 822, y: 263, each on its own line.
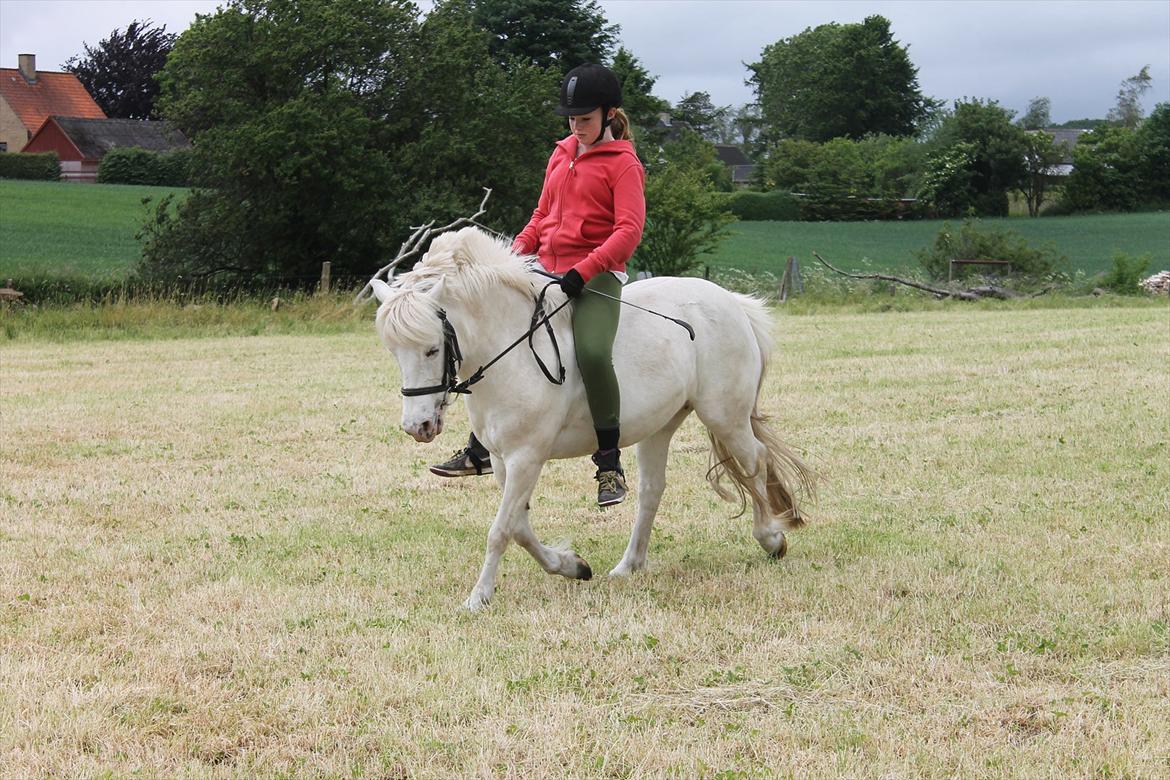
x: 722, y: 318
x: 732, y: 333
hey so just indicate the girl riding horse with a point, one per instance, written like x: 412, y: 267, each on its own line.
x: 585, y: 227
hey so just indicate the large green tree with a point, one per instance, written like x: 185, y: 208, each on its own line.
x: 1041, y: 155
x: 839, y: 80
x: 325, y: 129
x: 978, y: 155
x: 120, y: 71
x: 560, y: 34
x: 703, y: 116
x: 1119, y: 169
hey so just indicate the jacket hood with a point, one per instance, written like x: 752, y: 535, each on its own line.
x: 569, y: 146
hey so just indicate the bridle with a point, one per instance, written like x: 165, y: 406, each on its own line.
x: 453, y: 356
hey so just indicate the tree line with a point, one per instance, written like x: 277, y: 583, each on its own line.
x: 326, y: 129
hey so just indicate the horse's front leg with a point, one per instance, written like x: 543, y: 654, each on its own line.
x: 652, y: 454
x: 518, y: 479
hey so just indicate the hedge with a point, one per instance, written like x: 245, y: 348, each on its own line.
x: 134, y: 165
x: 763, y: 206
x: 42, y: 166
x: 852, y: 209
x: 781, y: 206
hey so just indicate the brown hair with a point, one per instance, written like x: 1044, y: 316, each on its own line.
x: 620, y: 126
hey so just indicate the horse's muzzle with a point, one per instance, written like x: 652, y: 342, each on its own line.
x: 425, y: 431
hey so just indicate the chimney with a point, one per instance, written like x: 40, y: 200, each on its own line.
x: 28, y: 67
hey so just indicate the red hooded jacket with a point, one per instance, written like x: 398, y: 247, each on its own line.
x: 591, y: 210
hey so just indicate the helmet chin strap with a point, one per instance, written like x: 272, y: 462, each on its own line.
x: 605, y: 121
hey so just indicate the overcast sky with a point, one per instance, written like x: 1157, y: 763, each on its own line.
x: 1075, y: 52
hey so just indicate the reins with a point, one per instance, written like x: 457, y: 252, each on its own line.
x: 453, y: 356
x: 681, y: 323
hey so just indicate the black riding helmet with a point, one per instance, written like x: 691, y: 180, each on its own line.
x: 587, y: 87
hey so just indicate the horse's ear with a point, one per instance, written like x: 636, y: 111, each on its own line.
x: 381, y: 290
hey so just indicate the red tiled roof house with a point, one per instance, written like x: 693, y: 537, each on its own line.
x: 82, y: 143
x: 28, y: 98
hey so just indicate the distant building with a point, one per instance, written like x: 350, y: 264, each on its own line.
x: 1067, y: 138
x: 81, y: 143
x: 28, y: 98
x: 742, y: 169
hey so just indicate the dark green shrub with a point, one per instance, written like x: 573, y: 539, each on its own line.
x: 763, y: 206
x: 46, y: 166
x: 684, y: 219
x: 973, y: 241
x: 1127, y: 272
x: 1119, y: 169
x: 133, y: 165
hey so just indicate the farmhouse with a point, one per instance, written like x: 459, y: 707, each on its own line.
x: 1067, y: 138
x: 742, y: 169
x: 81, y: 143
x: 28, y: 98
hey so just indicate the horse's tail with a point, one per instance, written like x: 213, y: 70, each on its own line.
x: 786, y: 473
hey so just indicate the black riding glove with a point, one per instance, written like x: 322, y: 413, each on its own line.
x: 572, y: 284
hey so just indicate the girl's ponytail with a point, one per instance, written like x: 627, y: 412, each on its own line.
x: 620, y: 126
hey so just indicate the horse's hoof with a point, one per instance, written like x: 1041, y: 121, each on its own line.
x: 781, y: 550
x: 476, y: 603
x: 623, y: 569
x: 583, y: 571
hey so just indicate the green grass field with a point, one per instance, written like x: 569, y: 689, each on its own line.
x: 222, y: 559
x: 1087, y: 240
x: 64, y: 230
x: 50, y: 229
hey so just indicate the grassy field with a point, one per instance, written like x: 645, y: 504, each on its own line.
x: 1087, y: 240
x: 59, y: 229
x: 223, y: 560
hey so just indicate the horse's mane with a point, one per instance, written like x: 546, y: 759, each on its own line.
x: 467, y: 265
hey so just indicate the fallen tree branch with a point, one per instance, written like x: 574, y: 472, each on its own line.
x: 420, y: 238
x: 972, y: 294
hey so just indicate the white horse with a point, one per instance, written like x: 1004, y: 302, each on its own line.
x: 474, y: 282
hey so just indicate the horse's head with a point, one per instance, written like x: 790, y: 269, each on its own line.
x: 410, y: 326
x: 467, y: 268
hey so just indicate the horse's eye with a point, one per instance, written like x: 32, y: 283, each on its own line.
x: 432, y: 351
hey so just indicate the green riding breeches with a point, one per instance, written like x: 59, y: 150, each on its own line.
x: 595, y: 322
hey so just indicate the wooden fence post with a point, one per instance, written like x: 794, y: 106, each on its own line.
x: 326, y: 267
x: 790, y: 282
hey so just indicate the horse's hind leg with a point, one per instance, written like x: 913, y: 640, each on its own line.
x: 752, y: 456
x: 652, y: 455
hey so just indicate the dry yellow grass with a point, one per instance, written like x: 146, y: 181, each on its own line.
x: 220, y: 558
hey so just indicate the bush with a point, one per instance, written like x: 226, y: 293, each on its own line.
x: 684, y: 219
x: 974, y: 242
x: 1127, y: 273
x: 1119, y: 169
x: 762, y: 206
x: 44, y: 166
x: 134, y: 165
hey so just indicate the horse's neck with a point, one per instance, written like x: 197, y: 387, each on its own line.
x: 486, y: 327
